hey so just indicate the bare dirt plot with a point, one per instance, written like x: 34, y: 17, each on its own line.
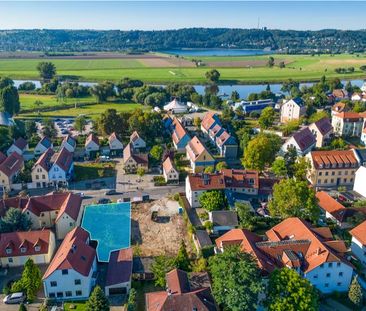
x: 157, y: 237
x: 243, y: 63
x: 160, y: 62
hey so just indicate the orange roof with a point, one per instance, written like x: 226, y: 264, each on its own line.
x: 90, y: 138
x: 349, y: 115
x: 327, y: 203
x: 208, y: 120
x: 195, y: 148
x: 206, y: 181
x: 359, y: 233
x: 168, y: 165
x: 333, y: 159
x: 339, y: 107
x: 73, y: 253
x: 178, y: 131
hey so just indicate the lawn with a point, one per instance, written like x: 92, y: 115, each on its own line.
x: 299, y: 67
x: 89, y: 110
x: 143, y: 287
x: 75, y: 306
x: 86, y: 171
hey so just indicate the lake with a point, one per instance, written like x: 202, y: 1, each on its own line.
x: 215, y: 52
x: 243, y: 90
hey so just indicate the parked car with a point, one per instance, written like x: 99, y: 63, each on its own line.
x: 111, y: 192
x: 14, y: 298
x: 104, y: 201
x: 64, y: 132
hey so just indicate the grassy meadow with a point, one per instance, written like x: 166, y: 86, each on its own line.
x: 299, y: 67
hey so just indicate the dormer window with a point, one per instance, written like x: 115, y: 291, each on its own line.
x: 23, y: 249
x: 8, y: 250
x: 37, y: 248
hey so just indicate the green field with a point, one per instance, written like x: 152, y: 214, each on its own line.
x: 299, y: 67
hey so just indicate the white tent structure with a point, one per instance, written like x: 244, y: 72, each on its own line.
x: 176, y: 107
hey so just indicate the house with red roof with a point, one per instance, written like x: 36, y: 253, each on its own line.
x: 62, y: 211
x: 322, y: 131
x: 180, y: 136
x: 170, y: 172
x: 181, y: 294
x: 115, y: 145
x: 137, y: 142
x: 227, y: 145
x: 198, y: 156
x: 303, y: 141
x: 61, y: 168
x: 17, y: 247
x: 19, y: 146
x: 40, y: 170
x: 9, y: 170
x: 295, y: 244
x: 348, y: 124
x: 133, y: 159
x: 91, y: 146
x: 119, y: 272
x: 358, y: 244
x: 209, y: 121
x: 72, y: 271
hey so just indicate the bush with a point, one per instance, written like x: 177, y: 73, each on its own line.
x: 208, y: 251
x: 159, y: 181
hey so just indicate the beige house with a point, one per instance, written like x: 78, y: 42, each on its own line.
x: 198, y: 156
x: 170, y: 172
x: 19, y: 146
x: 9, y: 169
x: 133, y: 160
x: 323, y: 132
x: 293, y: 109
x: 17, y: 247
x: 40, y: 170
x: 331, y: 169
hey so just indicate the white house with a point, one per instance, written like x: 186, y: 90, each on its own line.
x: 358, y: 244
x: 348, y: 124
x: 62, y: 168
x: 115, y: 145
x: 19, y: 146
x: 42, y: 146
x: 136, y: 141
x: 69, y: 143
x: 303, y: 141
x: 170, y: 172
x: 363, y: 136
x: 360, y: 181
x: 293, y: 109
x: 91, y: 145
x: 119, y: 272
x: 17, y: 247
x: 71, y: 273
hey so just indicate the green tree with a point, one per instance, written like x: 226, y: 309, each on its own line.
x: 270, y: 62
x: 22, y: 307
x: 236, y: 280
x: 209, y: 170
x: 97, y: 301
x: 110, y: 121
x: 293, y: 198
x: 212, y: 200
x: 160, y: 267
x: 30, y: 282
x: 131, y: 302
x: 49, y: 128
x: 182, y: 259
x: 14, y: 220
x: 301, y: 168
x: 156, y: 152
x: 355, y: 293
x: 102, y: 91
x: 140, y: 171
x: 287, y: 290
x: 80, y: 123
x: 9, y: 100
x: 30, y: 128
x: 213, y: 76
x: 197, y: 122
x: 47, y: 70
x: 38, y: 103
x: 221, y: 165
x: 245, y: 214
x: 266, y: 118
x: 261, y: 151
x: 279, y: 167
x: 235, y: 96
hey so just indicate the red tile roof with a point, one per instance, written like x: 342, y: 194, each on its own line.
x: 25, y: 239
x: 350, y: 116
x: 206, y: 181
x: 73, y: 253
x: 134, y: 136
x: 112, y: 137
x: 119, y: 267
x: 168, y: 165
x: 140, y: 158
x: 93, y: 138
x: 195, y: 148
x: 45, y: 159
x: 339, y: 107
x: 2, y: 157
x: 178, y: 131
x: 220, y: 140
x: 63, y: 159
x: 336, y: 158
x: 359, y: 233
x: 21, y: 143
x: 12, y: 164
x: 332, y: 206
x: 208, y: 120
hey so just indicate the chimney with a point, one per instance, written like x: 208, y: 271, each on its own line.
x: 318, y: 251
x: 169, y: 292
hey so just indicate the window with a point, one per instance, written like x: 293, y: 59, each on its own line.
x: 68, y: 293
x: 326, y: 173
x: 315, y: 276
x: 330, y: 265
x: 328, y: 275
x: 322, y: 265
x: 52, y: 295
x: 326, y: 285
x: 10, y: 260
x: 79, y: 293
x: 333, y: 173
x: 71, y: 224
x: 8, y: 251
x: 23, y: 249
x: 340, y: 274
x: 338, y: 264
x: 60, y: 294
x: 37, y: 248
x: 77, y: 282
x: 320, y: 173
x: 339, y: 283
x: 65, y: 272
x: 53, y: 283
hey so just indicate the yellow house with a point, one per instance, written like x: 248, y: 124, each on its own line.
x: 133, y: 160
x: 40, y: 177
x: 331, y: 169
x: 17, y: 247
x: 198, y: 155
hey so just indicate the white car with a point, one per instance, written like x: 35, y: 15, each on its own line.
x: 14, y: 298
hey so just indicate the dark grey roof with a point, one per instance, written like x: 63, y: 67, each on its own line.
x: 224, y: 218
x: 142, y: 264
x: 6, y: 119
x: 203, y: 238
x: 361, y: 153
x: 298, y: 101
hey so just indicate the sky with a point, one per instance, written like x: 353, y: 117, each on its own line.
x: 157, y: 15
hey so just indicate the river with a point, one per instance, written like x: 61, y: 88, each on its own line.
x: 216, y: 52
x: 243, y: 90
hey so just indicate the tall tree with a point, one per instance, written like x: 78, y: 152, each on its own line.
x: 212, y: 200
x: 160, y: 267
x: 293, y: 198
x: 266, y: 118
x: 355, y: 293
x: 47, y: 70
x: 110, y: 121
x: 279, y: 167
x: 213, y: 76
x: 287, y: 290
x: 49, y: 129
x: 270, y: 62
x: 182, y: 259
x: 6, y: 81
x: 102, y: 91
x: 80, y: 123
x: 30, y: 128
x: 131, y: 302
x: 236, y: 280
x: 235, y: 96
x: 14, y: 220
x: 97, y: 301
x: 9, y: 100
x: 156, y: 152
x: 245, y: 214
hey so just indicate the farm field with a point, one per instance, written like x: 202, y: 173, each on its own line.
x: 164, y: 69
x: 90, y: 110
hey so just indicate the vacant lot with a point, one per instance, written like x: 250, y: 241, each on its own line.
x: 158, y: 237
x: 85, y: 171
